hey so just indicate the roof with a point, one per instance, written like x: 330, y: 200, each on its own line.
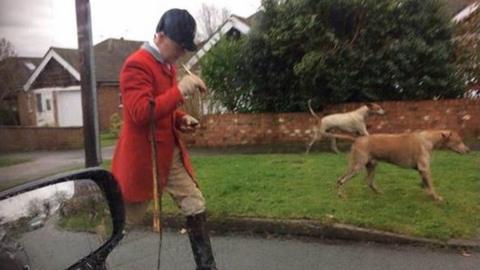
x: 69, y: 55
x: 455, y: 6
x: 14, y: 71
x: 254, y: 17
x: 109, y: 57
x: 241, y: 24
x: 466, y: 12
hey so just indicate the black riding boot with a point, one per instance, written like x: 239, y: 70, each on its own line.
x: 200, y: 242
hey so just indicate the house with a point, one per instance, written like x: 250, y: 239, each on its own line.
x: 14, y: 72
x: 234, y: 26
x: 467, y: 41
x: 51, y: 95
x: 465, y: 13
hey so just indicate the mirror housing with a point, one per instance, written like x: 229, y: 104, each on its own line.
x: 108, y: 185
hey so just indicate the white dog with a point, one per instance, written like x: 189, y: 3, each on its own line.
x: 353, y: 122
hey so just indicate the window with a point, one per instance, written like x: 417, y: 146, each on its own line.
x: 49, y: 108
x: 38, y: 98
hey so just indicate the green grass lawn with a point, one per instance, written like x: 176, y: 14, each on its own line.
x: 9, y: 161
x: 107, y: 139
x: 297, y: 186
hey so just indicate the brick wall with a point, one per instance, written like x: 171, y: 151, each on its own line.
x: 26, y: 108
x: 39, y: 138
x: 108, y: 104
x: 268, y: 128
x: 250, y: 129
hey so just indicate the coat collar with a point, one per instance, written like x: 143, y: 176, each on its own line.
x: 155, y: 52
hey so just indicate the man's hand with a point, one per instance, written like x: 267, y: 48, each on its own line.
x: 188, y: 124
x: 191, y: 83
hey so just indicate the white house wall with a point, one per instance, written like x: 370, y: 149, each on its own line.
x: 68, y: 106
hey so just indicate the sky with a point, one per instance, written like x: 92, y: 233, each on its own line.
x: 33, y: 26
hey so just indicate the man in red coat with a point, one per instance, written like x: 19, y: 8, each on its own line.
x: 148, y: 80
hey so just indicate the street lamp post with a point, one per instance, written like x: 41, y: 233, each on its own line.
x: 88, y: 85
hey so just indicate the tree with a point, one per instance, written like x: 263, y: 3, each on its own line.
x: 220, y: 69
x: 348, y: 50
x: 210, y: 18
x: 269, y: 57
x: 9, y: 83
x: 6, y: 49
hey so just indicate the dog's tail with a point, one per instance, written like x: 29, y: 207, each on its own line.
x: 339, y: 136
x: 311, y: 110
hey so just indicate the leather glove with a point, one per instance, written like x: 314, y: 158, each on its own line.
x: 188, y: 124
x: 190, y: 83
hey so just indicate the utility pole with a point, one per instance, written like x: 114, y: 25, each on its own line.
x: 88, y: 85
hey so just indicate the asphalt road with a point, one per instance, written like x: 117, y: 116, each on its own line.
x: 44, y: 163
x: 238, y: 252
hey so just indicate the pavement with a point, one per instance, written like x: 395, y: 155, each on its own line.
x: 47, y: 163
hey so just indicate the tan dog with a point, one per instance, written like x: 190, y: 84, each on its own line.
x: 408, y: 150
x: 353, y: 122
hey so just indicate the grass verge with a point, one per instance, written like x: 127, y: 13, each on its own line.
x: 9, y: 161
x: 108, y: 139
x: 296, y: 186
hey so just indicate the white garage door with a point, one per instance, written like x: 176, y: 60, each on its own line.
x: 69, y: 105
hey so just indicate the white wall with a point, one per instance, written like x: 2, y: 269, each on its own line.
x: 68, y: 106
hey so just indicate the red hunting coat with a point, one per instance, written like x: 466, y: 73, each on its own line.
x: 142, y: 79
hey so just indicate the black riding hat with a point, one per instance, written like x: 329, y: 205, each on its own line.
x: 179, y: 26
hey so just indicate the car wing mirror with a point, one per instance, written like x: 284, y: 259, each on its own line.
x: 67, y: 221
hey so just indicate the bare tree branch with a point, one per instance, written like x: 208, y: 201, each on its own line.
x: 210, y: 18
x: 9, y: 82
x: 6, y: 49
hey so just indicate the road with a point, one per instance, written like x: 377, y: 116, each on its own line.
x: 44, y: 163
x: 238, y: 252
x: 49, y: 248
